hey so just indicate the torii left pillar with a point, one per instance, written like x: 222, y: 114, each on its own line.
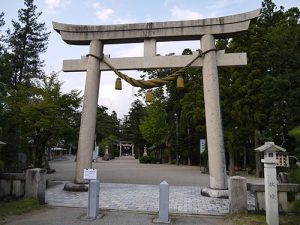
x: 89, y: 110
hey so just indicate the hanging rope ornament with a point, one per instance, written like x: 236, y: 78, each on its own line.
x: 153, y: 82
x: 118, y: 84
x: 180, y: 83
x: 149, y: 96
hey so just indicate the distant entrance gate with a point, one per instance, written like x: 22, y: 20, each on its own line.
x: 126, y: 148
x: 205, y: 31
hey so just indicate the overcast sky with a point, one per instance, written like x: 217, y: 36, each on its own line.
x: 105, y: 12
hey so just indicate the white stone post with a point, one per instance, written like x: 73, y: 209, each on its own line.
x: 132, y: 149
x: 89, y: 111
x: 120, y: 149
x: 163, y: 203
x: 214, y: 130
x: 271, y: 199
x: 93, y: 199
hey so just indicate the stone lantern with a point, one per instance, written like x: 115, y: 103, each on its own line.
x: 269, y: 149
x: 145, y: 151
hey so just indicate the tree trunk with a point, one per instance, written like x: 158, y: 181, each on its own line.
x: 231, y: 163
x: 245, y: 158
x: 257, y: 156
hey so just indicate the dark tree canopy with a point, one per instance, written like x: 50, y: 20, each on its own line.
x: 26, y: 41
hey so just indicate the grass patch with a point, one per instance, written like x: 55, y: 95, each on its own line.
x: 17, y: 207
x: 253, y: 219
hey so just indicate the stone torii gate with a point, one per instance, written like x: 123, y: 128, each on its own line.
x: 205, y: 30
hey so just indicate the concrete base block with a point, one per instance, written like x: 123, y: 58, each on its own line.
x: 18, y: 188
x: 4, y: 188
x: 158, y: 221
x: 214, y: 193
x: 237, y: 194
x: 282, y: 202
x: 35, y: 185
x: 76, y: 187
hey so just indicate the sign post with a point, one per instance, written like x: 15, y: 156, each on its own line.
x: 94, y: 189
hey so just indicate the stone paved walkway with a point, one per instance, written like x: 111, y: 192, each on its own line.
x: 136, y: 197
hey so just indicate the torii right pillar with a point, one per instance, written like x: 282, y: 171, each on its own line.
x: 215, y: 139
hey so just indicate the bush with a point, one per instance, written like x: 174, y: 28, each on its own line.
x: 153, y: 157
x: 145, y: 159
x: 1, y: 165
x: 296, y: 206
x: 294, y: 175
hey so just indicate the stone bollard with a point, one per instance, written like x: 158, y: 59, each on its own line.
x: 35, y: 184
x: 93, y: 201
x: 163, y: 203
x: 237, y: 194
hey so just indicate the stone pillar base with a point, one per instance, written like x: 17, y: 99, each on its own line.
x: 71, y: 186
x: 214, y: 193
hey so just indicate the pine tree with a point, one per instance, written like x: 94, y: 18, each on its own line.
x: 26, y: 42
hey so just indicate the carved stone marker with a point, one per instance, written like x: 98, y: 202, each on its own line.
x: 271, y: 198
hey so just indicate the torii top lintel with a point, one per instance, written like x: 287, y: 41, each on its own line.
x: 220, y: 27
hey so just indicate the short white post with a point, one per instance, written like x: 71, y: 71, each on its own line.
x: 163, y: 202
x: 93, y: 201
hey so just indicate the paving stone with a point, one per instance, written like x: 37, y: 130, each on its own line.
x: 135, y: 197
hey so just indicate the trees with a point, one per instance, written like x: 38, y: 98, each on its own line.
x: 153, y: 126
x: 35, y: 114
x: 259, y: 102
x: 26, y: 42
x: 131, y: 125
x: 262, y: 97
x: 49, y: 117
x: 106, y: 124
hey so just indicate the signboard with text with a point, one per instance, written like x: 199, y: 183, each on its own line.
x: 202, y: 145
x: 90, y: 174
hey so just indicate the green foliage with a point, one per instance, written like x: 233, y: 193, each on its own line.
x: 294, y: 175
x: 42, y: 117
x: 27, y: 40
x: 106, y: 124
x: 250, y: 219
x: 247, y: 219
x: 295, y: 133
x: 1, y: 165
x: 153, y: 126
x: 146, y: 159
x: 17, y: 207
x: 296, y: 207
x: 108, y: 141
x: 130, y: 127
